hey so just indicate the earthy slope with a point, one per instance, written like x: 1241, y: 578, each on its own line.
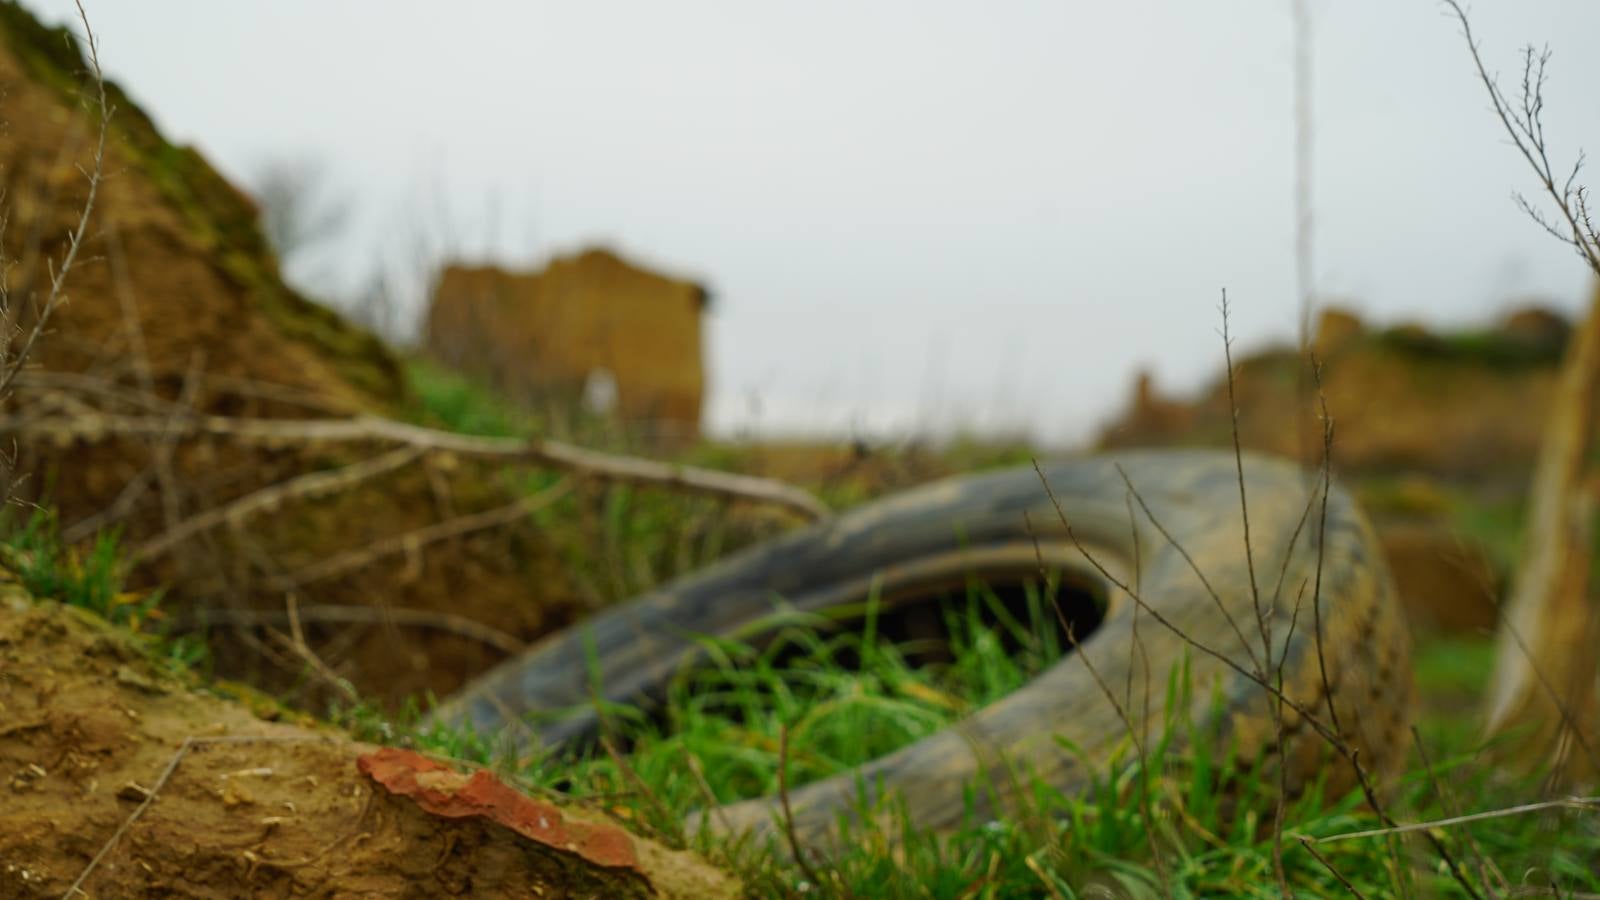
x: 178, y: 308
x: 91, y: 726
x: 181, y: 240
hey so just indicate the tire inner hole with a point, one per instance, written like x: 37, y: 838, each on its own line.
x: 926, y: 622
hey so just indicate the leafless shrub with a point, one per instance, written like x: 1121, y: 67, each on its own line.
x: 298, y: 210
x: 1263, y: 671
x: 1571, y: 221
x: 1542, y: 677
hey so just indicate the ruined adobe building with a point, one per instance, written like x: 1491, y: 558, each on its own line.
x: 583, y: 325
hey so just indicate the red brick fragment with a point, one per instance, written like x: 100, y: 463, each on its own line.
x: 444, y: 792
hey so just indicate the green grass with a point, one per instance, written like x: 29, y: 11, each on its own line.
x: 447, y: 399
x: 614, y: 540
x: 729, y: 713
x: 1487, y: 348
x: 1158, y: 828
x: 719, y: 737
x: 1189, y: 820
x: 32, y: 551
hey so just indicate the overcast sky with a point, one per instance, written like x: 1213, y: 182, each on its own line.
x: 914, y: 215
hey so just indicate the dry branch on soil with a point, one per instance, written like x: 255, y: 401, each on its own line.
x: 314, y: 484
x: 372, y: 429
x: 337, y: 614
x: 413, y: 541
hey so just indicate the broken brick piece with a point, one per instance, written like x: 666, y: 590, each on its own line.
x: 445, y: 792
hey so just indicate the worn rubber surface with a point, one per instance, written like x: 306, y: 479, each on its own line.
x: 977, y: 525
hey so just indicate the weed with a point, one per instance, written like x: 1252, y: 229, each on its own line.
x: 841, y: 698
x: 450, y: 400
x: 92, y: 581
x: 32, y: 550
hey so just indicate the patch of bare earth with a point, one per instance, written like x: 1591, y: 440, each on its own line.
x: 134, y: 780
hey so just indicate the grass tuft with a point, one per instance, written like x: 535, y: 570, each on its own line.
x: 31, y: 549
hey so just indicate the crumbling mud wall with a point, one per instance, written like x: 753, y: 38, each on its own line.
x: 582, y: 320
x: 1464, y: 404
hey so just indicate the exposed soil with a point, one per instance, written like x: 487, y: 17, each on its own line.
x: 177, y: 308
x: 89, y: 723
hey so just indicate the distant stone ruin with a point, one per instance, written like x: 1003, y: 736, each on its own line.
x: 1462, y: 403
x: 591, y: 329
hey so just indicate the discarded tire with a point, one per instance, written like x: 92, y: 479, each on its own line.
x: 999, y: 524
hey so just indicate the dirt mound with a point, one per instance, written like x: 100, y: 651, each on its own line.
x: 178, y: 243
x: 91, y: 728
x: 177, y: 310
x: 587, y: 322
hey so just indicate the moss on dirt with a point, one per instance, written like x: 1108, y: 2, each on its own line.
x: 222, y: 220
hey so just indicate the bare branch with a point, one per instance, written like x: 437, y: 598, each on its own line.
x: 364, y: 615
x: 372, y: 429
x: 1262, y: 624
x: 1583, y: 803
x: 314, y: 484
x: 1306, y: 843
x: 789, y: 832
x: 1525, y: 126
x: 352, y: 560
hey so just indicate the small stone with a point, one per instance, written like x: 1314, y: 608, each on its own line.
x: 130, y: 677
x: 233, y: 795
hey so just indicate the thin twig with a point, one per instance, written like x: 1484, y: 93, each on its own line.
x: 788, y: 814
x: 1585, y: 803
x: 1306, y: 843
x: 1194, y: 567
x: 1368, y: 791
x: 1262, y: 624
x: 312, y: 662
x: 1528, y: 137
x: 1258, y: 679
x: 1322, y: 539
x: 58, y: 275
x: 314, y: 484
x: 361, y: 557
x: 699, y: 772
x: 632, y: 776
x: 167, y: 444
x: 1111, y: 697
x: 1333, y: 738
x: 1485, y: 865
x: 364, y: 615
x: 189, y: 743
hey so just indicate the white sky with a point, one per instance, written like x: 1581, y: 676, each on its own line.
x: 914, y: 215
